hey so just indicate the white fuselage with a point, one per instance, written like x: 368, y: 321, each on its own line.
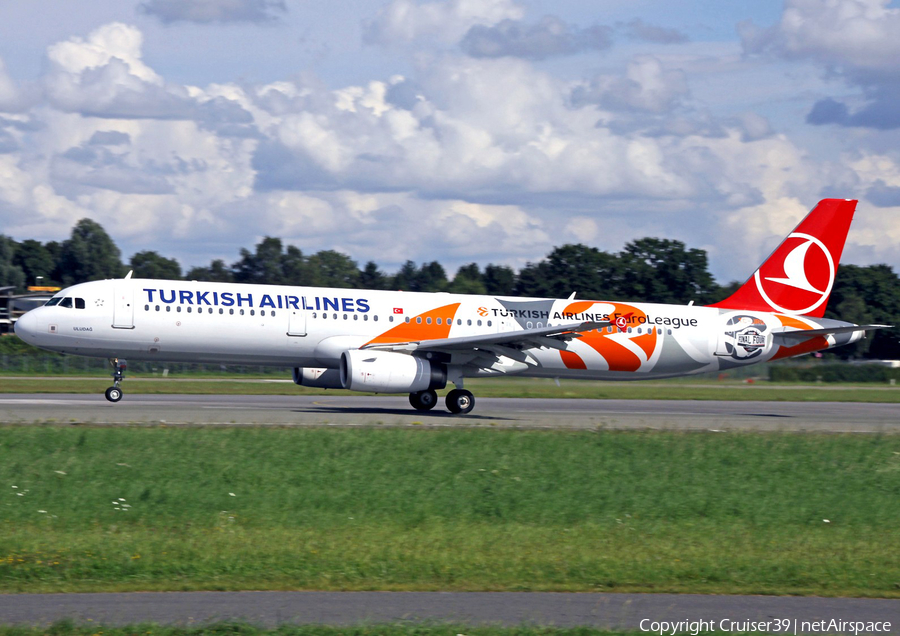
x: 311, y: 327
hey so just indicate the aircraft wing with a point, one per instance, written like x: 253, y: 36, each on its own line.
x: 507, y: 343
x: 801, y: 335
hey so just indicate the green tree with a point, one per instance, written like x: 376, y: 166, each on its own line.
x: 149, y: 264
x: 468, y: 280
x: 664, y: 271
x: 294, y: 268
x: 499, y: 280
x: 263, y: 266
x: 430, y: 277
x: 10, y: 273
x: 868, y: 295
x: 217, y: 272
x: 36, y: 261
x: 372, y: 278
x: 571, y: 268
x: 88, y: 254
x: 333, y: 269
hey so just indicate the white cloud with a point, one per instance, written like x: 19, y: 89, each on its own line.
x: 549, y: 37
x: 463, y: 159
x: 444, y: 20
x: 115, y: 40
x: 207, y: 11
x: 852, y: 39
x: 646, y: 85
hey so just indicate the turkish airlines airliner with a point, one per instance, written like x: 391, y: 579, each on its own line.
x: 417, y: 343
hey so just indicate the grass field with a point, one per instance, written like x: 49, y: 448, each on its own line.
x: 93, y: 509
x: 677, y: 389
x: 69, y: 628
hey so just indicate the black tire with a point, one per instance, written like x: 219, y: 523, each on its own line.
x: 113, y: 394
x: 460, y: 401
x: 423, y: 400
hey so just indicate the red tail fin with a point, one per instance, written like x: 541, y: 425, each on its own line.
x: 797, y: 278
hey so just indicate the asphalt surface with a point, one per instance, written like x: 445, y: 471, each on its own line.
x: 613, y: 611
x: 343, y: 410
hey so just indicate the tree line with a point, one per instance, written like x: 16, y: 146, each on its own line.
x: 647, y: 269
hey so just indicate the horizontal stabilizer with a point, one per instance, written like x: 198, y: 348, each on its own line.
x: 801, y: 335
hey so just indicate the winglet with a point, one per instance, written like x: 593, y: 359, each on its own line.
x: 798, y: 276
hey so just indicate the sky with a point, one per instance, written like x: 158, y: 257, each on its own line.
x: 460, y: 131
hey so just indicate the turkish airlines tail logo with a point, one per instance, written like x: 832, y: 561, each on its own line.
x: 793, y: 292
x: 799, y: 275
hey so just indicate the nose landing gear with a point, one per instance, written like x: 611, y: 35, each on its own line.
x: 114, y: 393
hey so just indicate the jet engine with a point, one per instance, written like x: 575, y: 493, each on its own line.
x: 390, y: 372
x: 318, y: 378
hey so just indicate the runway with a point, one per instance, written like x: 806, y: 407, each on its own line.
x: 345, y: 410
x: 611, y: 611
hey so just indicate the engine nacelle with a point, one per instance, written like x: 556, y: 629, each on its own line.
x: 389, y: 372
x: 318, y: 378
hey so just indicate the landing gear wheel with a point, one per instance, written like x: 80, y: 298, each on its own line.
x: 460, y: 401
x: 423, y: 400
x: 114, y: 393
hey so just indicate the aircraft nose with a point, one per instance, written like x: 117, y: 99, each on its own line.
x: 25, y: 326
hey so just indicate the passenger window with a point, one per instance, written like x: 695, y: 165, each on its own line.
x: 479, y: 323
x: 231, y: 312
x: 489, y: 323
x: 66, y: 302
x: 168, y: 307
x: 418, y: 319
x: 428, y: 320
x: 146, y: 307
x: 157, y: 308
x: 375, y: 318
x: 252, y: 312
x: 242, y: 312
x: 178, y: 309
x: 79, y: 303
x: 221, y: 311
x: 438, y: 321
x: 189, y: 309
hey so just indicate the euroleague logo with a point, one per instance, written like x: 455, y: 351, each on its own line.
x: 798, y: 277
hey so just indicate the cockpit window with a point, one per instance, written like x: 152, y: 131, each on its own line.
x: 66, y: 302
x: 79, y: 303
x: 53, y: 301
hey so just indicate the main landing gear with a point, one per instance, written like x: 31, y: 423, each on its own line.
x: 459, y: 401
x: 114, y: 393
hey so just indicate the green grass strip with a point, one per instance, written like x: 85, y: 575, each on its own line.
x: 95, y: 509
